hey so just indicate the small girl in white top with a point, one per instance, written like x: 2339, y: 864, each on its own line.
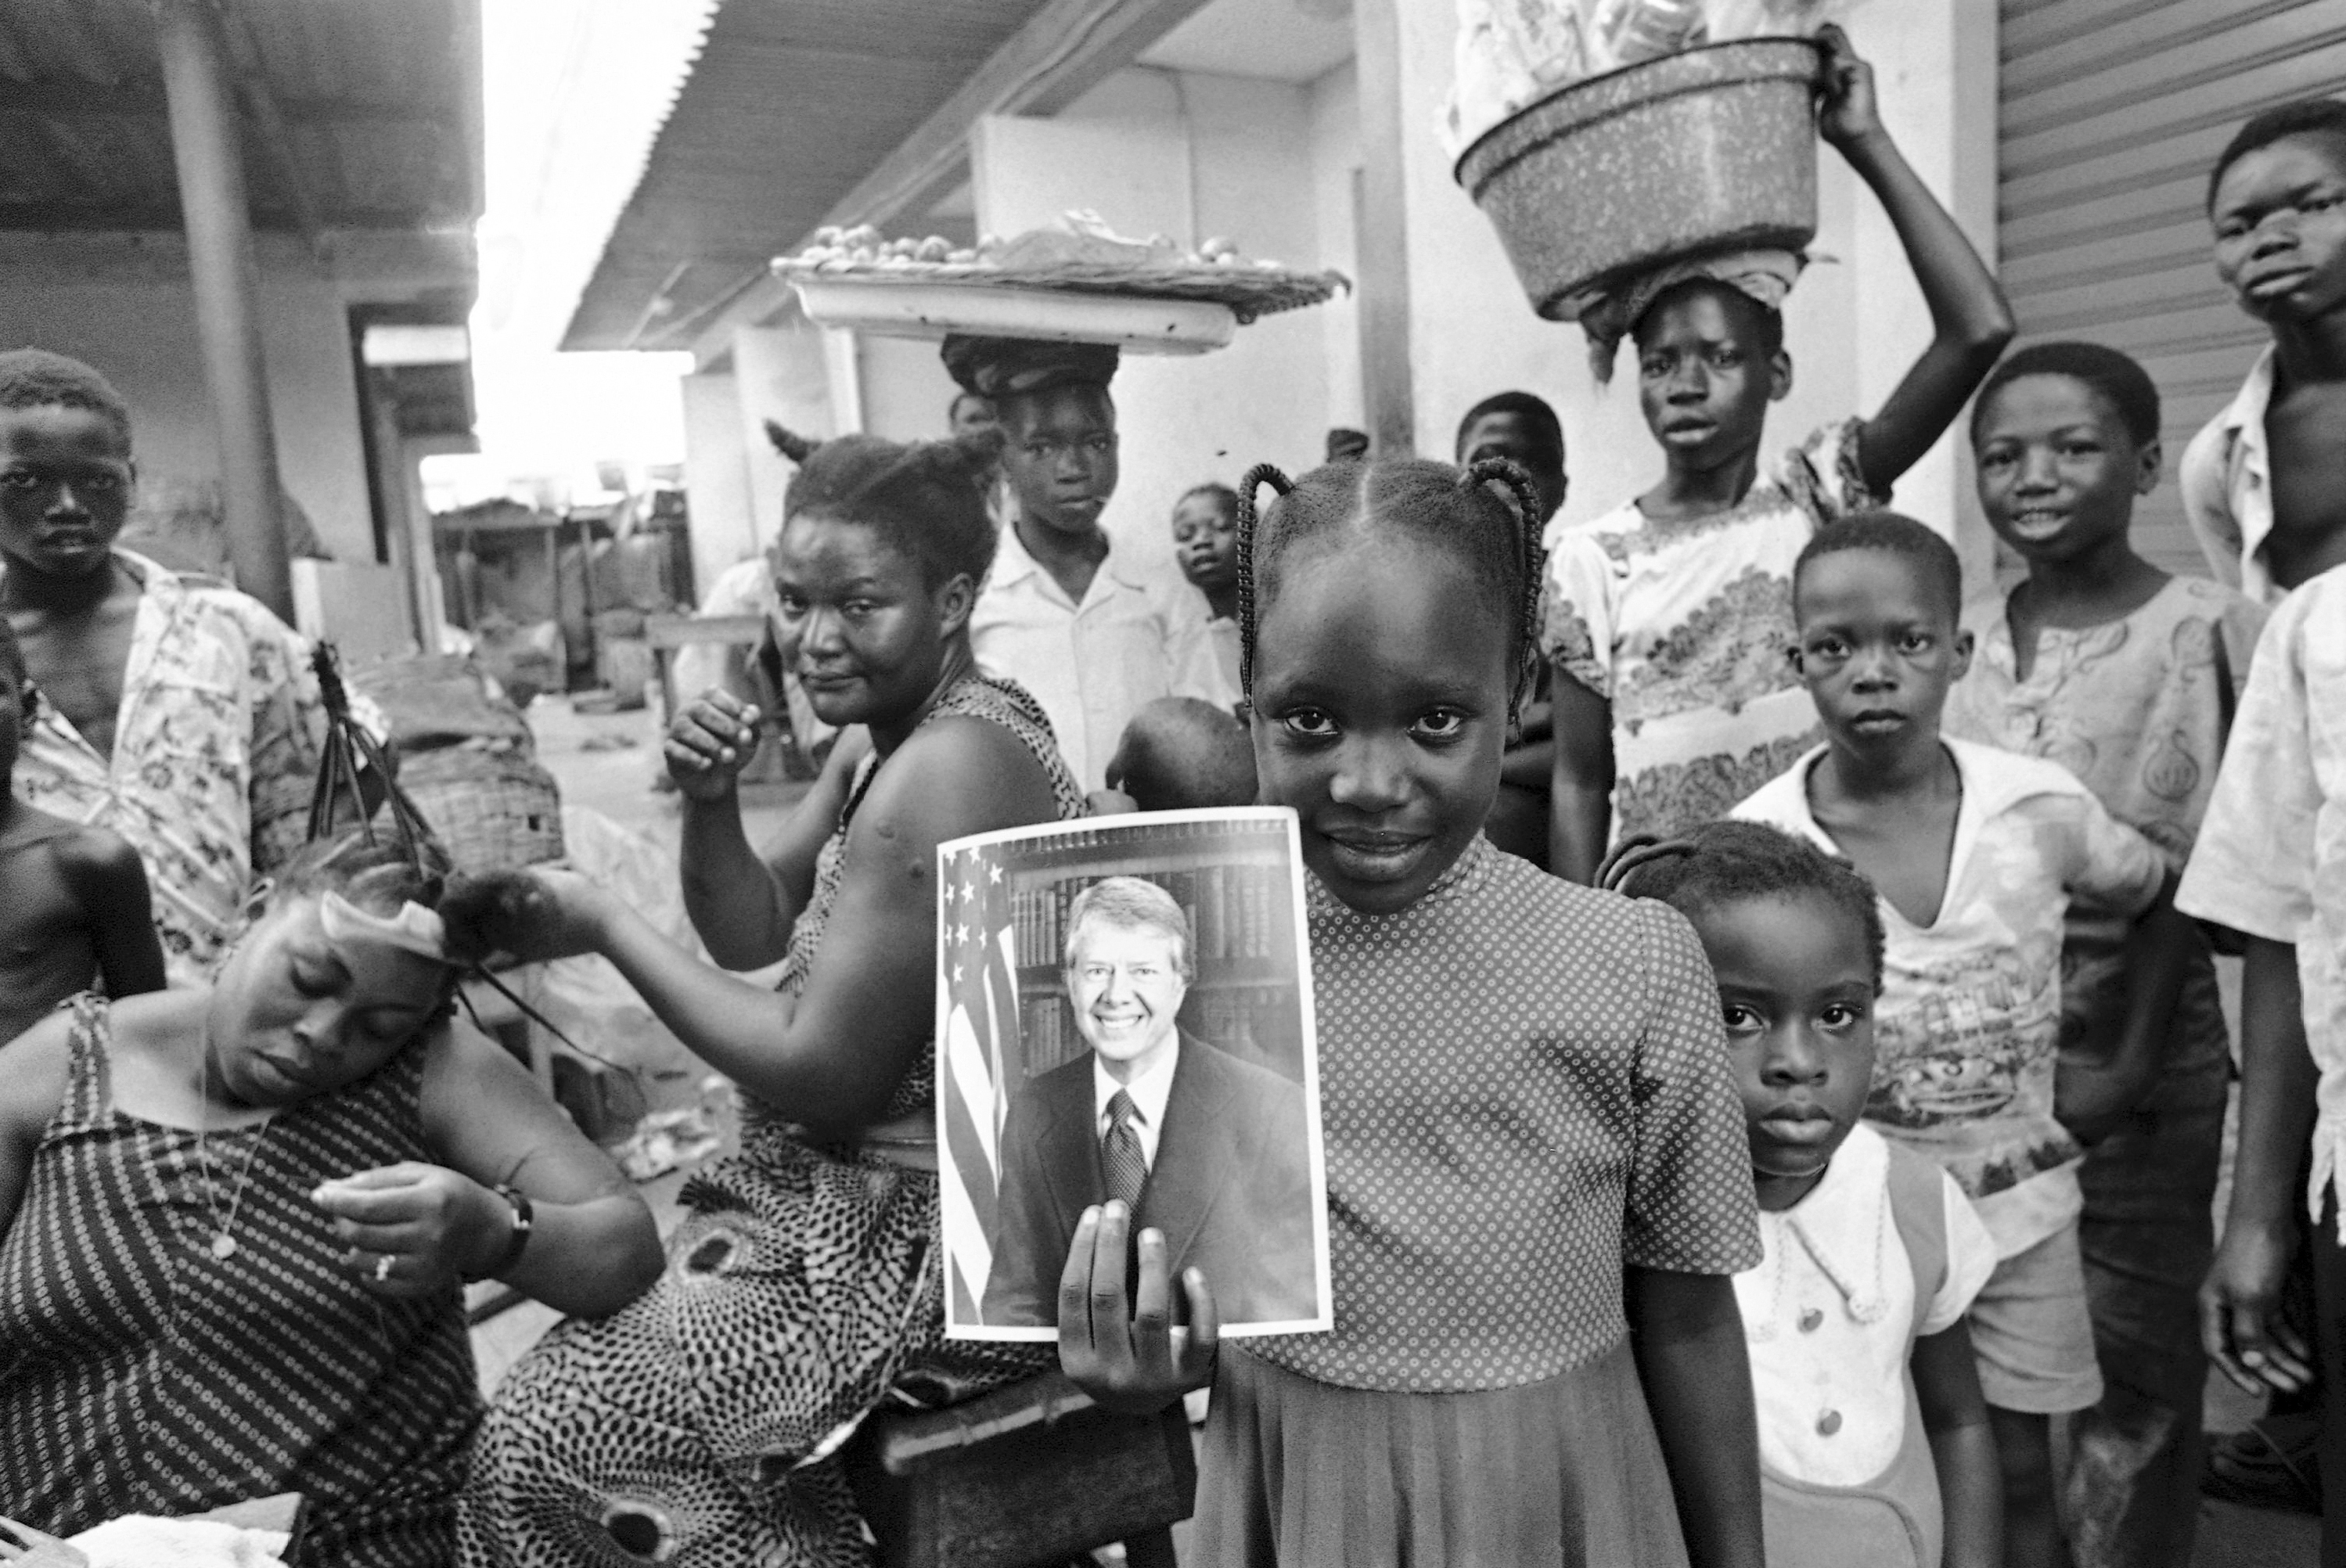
x: 1874, y: 1444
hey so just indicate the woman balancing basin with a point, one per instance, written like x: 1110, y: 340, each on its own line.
x: 1036, y: 325
x: 1619, y: 145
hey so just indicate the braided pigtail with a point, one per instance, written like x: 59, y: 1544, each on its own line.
x: 1523, y: 491
x: 1247, y: 520
x: 1634, y: 854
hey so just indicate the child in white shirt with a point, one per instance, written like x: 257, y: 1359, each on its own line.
x: 1874, y: 1444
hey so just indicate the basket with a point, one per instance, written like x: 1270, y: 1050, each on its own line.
x: 493, y: 810
x: 1712, y: 148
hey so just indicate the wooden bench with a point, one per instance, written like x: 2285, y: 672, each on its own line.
x: 1033, y: 1474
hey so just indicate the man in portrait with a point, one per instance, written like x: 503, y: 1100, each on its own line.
x: 1211, y: 1150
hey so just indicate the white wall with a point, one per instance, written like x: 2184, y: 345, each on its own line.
x: 1192, y: 154
x: 123, y: 304
x: 1473, y: 333
x: 724, y: 522
x: 907, y: 396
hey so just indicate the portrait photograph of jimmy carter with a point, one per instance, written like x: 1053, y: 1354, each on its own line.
x: 1161, y: 1054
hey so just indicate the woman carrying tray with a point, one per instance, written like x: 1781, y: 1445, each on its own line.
x: 1093, y: 639
x: 1669, y: 618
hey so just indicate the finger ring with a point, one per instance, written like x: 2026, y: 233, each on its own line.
x: 382, y: 1268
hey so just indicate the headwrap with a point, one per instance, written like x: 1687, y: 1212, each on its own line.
x: 1764, y: 275
x: 413, y: 928
x: 1007, y: 367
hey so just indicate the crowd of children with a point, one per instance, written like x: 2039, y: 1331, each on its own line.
x: 1934, y: 887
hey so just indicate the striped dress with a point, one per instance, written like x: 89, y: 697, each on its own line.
x: 141, y: 1374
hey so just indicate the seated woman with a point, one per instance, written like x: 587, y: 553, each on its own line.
x: 699, y: 1425
x: 236, y: 1219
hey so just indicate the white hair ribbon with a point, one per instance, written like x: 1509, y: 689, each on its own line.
x: 413, y: 928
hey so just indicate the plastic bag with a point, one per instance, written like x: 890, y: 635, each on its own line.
x: 1511, y: 53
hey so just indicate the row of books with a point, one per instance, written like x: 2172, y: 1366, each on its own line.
x: 1233, y: 912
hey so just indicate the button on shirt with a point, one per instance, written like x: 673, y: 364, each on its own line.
x: 2271, y: 856
x: 1093, y: 665
x: 1829, y: 1313
x: 1149, y: 1092
x: 2226, y: 484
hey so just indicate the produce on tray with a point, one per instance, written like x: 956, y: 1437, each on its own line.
x: 1080, y: 254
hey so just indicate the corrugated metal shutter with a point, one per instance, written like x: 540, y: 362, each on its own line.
x: 2111, y: 114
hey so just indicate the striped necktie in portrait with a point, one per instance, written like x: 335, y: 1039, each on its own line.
x: 1121, y: 1161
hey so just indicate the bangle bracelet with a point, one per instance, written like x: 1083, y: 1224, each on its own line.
x: 523, y: 1216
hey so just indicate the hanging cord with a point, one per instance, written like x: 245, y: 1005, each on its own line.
x: 349, y: 747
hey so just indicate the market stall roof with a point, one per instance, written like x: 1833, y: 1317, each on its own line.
x: 359, y: 114
x: 803, y: 112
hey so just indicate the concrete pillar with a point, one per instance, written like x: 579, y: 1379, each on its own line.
x: 217, y: 213
x: 781, y: 373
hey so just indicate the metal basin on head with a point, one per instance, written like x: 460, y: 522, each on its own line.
x: 1710, y: 150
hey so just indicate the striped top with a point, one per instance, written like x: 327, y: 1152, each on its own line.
x: 139, y: 1373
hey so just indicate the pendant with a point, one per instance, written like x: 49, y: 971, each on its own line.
x: 1829, y: 1423
x: 224, y: 1247
x: 1811, y: 1318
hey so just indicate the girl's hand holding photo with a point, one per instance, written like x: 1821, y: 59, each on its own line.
x: 1130, y: 1358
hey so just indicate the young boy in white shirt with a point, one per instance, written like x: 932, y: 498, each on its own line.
x: 1092, y: 639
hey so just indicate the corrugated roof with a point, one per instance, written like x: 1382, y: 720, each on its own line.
x: 380, y: 102
x: 792, y: 103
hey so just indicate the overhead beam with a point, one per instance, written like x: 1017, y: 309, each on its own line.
x: 261, y: 104
x: 51, y: 99
x: 1065, y: 50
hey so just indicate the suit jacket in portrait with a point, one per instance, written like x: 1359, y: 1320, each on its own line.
x: 1231, y: 1188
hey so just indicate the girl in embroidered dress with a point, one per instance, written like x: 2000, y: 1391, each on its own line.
x: 1536, y: 1179
x: 702, y: 1425
x: 1667, y: 617
x: 1874, y: 1444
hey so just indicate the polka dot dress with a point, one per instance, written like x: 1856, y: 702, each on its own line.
x: 1524, y: 1088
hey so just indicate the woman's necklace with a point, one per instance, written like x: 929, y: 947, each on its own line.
x: 223, y: 1242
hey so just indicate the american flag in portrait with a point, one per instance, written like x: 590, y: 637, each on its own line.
x: 977, y: 1013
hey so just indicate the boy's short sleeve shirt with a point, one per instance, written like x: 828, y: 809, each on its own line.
x: 1683, y: 628
x: 2225, y: 480
x: 216, y: 752
x: 2271, y: 856
x: 1967, y: 1031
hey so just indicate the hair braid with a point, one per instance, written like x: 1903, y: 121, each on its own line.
x: 1633, y: 854
x: 1248, y: 519
x: 1524, y: 492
